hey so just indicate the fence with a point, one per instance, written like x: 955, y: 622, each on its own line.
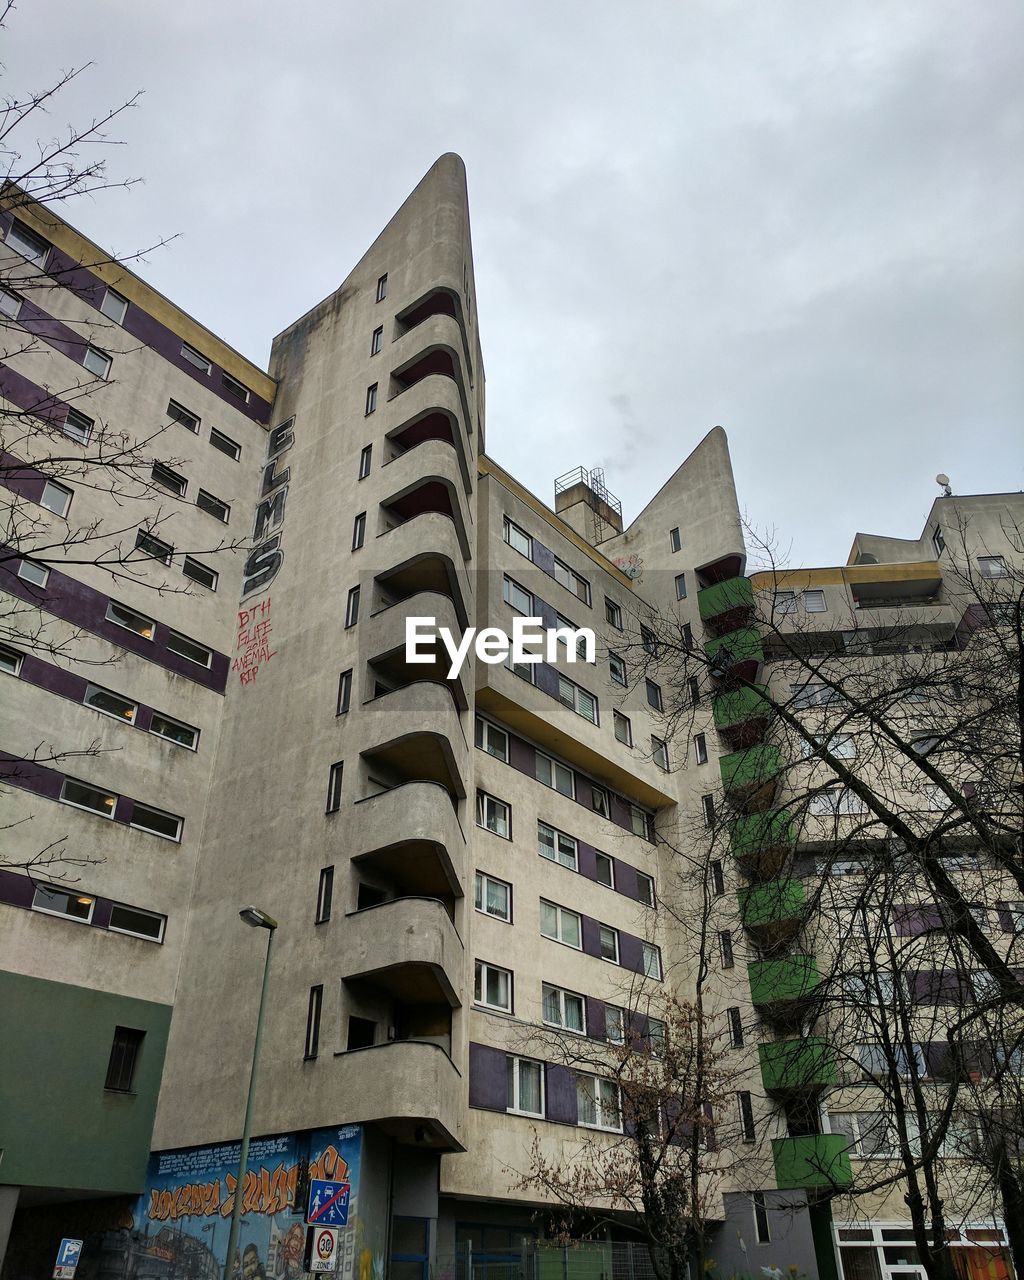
x: 583, y: 1261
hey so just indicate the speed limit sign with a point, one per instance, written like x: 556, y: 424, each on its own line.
x: 321, y: 1249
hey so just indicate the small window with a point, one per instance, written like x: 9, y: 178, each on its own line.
x: 555, y: 775
x: 605, y: 870
x: 674, y: 540
x: 213, y: 506
x: 10, y: 304
x: 518, y: 597
x: 599, y: 801
x: 82, y: 796
x: 725, y: 949
x: 556, y: 846
x: 176, y: 731
x: 938, y: 540
x: 693, y: 689
x: 746, y: 1107
x: 130, y: 620
x: 561, y: 925
x: 27, y: 243
x: 680, y: 586
x: 56, y: 498
x: 377, y: 340
x: 110, y: 704
x: 654, y: 695
x: 225, y: 444
x: 37, y: 575
x: 344, y: 692
x: 609, y: 943
x: 156, y: 822
x: 97, y: 361
x: 785, y: 602
x: 700, y: 748
x: 382, y: 287
x: 649, y: 641
x: 735, y: 1028
x: 623, y: 729
x: 324, y: 895
x: 563, y: 1009
x: 524, y: 670
x: 761, y: 1227
x: 641, y: 822
x: 190, y: 649
x: 651, y: 957
x: 196, y: 571
x: 644, y: 889
x: 362, y: 1033
x: 492, y: 987
x: 124, y: 1058
x: 614, y: 1024
x: 992, y: 566
x: 493, y: 897
x: 597, y: 1104
x: 352, y: 608
x: 235, y: 388
x: 168, y: 479
x: 612, y: 613
x: 78, y: 427
x: 707, y: 807
x: 659, y: 752
x: 189, y: 420
x: 525, y: 1092
x: 493, y: 815
x: 814, y: 602
x: 334, y: 778
x: 114, y: 307
x: 195, y: 358
x: 313, y: 1011
x: 577, y: 699
x: 155, y: 547
x: 371, y: 400
x: 717, y: 871
x: 358, y: 530
x: 10, y: 660
x: 139, y: 923
x: 365, y: 458
x: 518, y: 539
x: 55, y: 901
x: 617, y: 669
x: 492, y: 739
x: 686, y: 635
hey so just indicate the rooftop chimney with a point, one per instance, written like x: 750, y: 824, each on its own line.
x: 582, y: 501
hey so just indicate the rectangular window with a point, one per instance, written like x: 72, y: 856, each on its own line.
x: 525, y: 1094
x: 184, y: 416
x: 344, y: 692
x: 814, y: 602
x: 493, y: 815
x: 114, y: 307
x: 27, y: 243
x: 376, y: 340
x: 139, y: 923
x: 362, y: 1033
x: 155, y: 547
x: 492, y: 739
x: 313, y: 1012
x: 195, y: 358
x: 365, y: 458
x: 641, y: 823
x: 651, y: 956
x: 183, y: 735
x: 213, y: 506
x: 492, y: 987
x: 657, y: 1036
x: 358, y: 530
x: 37, y: 575
x: 735, y: 1028
x: 225, y: 444
x: 334, y: 786
x: 190, y: 649
x: 518, y: 597
x: 693, y: 688
x: 605, y: 870
x: 234, y: 388
x: 518, y: 539
x: 572, y: 581
x: 56, y: 498
x: 324, y: 895
x: 352, y: 608
x: 725, y: 949
x: 707, y: 808
x: 10, y: 660
x: 524, y: 670
x: 609, y: 943
x: 130, y: 620
x: 835, y: 802
x: 686, y: 635
x: 561, y: 925
x: 556, y: 846
x: 124, y: 1058
x: 82, y: 796
x: 599, y: 801
x: 168, y: 479
x: 623, y: 729
x: 762, y: 1232
x: 700, y: 748
x: 717, y: 879
x: 649, y: 641
x: 680, y: 586
x: 577, y: 699
x: 110, y: 704
x: 78, y: 427
x: 674, y: 540
x: 10, y: 304
x: 563, y: 1009
x: 371, y: 400
x: 597, y: 1104
x: 493, y: 897
x: 612, y: 614
x: 654, y: 695
x: 659, y: 752
x: 992, y: 566
x: 382, y: 287
x: 55, y: 901
x: 156, y: 822
x: 617, y: 669
x: 196, y: 571
x: 644, y: 889
x: 557, y: 776
x: 614, y: 1024
x: 785, y: 602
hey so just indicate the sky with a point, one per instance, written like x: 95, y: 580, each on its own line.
x: 800, y: 221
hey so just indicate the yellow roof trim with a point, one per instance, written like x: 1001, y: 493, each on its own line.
x: 852, y: 575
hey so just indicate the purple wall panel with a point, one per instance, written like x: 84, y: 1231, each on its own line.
x: 46, y: 676
x: 40, y: 324
x: 20, y: 478
x: 543, y: 558
x: 488, y: 1086
x: 625, y: 880
x: 560, y: 1094
x: 30, y: 776
x: 630, y: 952
x: 15, y: 889
x: 591, y: 937
x: 595, y: 1018
x: 547, y: 679
x: 24, y: 393
x: 522, y: 756
x: 586, y: 856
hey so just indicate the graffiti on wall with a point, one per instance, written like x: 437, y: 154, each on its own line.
x: 266, y: 557
x: 252, y: 641
x: 632, y: 565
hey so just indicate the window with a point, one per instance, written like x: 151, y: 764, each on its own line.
x: 324, y: 895
x: 841, y: 745
x: 686, y: 635
x: 612, y: 613
x: 700, y: 748
x: 493, y: 897
x: 813, y: 695
x: 190, y: 649
x: 518, y: 597
x: 656, y: 1036
x: 493, y: 987
x: 623, y: 729
x: 923, y: 742
x: 707, y: 808
x: 168, y: 479
x: 614, y: 1024
x: 938, y: 540
x: 717, y: 878
x: 563, y: 624
x: 365, y: 459
x: 376, y: 340
x: 617, y: 669
x: 577, y: 699
x: 10, y: 304
x: 641, y: 823
x: 518, y: 539
x: 97, y: 361
x: 358, y: 530
x: 649, y: 641
x: 114, y: 307
x: 563, y: 1009
x: 344, y: 692
x: 37, y: 575
x: 561, y: 925
x: 597, y: 1103
x: 186, y: 417
x: 572, y: 581
x: 992, y: 566
x: 814, y: 602
x: 234, y: 388
x: 725, y: 949
x: 352, y: 608
x: 139, y: 923
x: 644, y: 889
x: 525, y: 1087
x: 877, y: 1061
x: 153, y: 546
x: 313, y: 1011
x: 609, y: 942
x: 184, y: 735
x: 761, y: 1229
x: 195, y: 358
x: 877, y: 988
x: 524, y: 670
x: 674, y: 540
x: 371, y: 400
x: 556, y: 846
x: 78, y: 427
x: 55, y: 901
x: 693, y: 688
x: 196, y: 571
x: 10, y: 660
x: 834, y: 802
x: 493, y: 814
x: 130, y: 620
x: 362, y: 1033
x: 82, y: 796
x: 156, y: 822
x: 382, y: 287
x: 746, y: 1116
x: 492, y: 739
x: 557, y: 776
x: 27, y: 243
x: 785, y: 602
x: 110, y: 704
x: 654, y: 695
x: 213, y: 506
x: 605, y: 870
x: 599, y: 801
x: 659, y: 752
x: 735, y: 1028
x: 124, y: 1058
x: 334, y: 778
x: 680, y: 586
x: 651, y: 958
x: 225, y: 444
x: 56, y: 498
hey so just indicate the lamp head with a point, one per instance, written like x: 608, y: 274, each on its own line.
x: 257, y: 919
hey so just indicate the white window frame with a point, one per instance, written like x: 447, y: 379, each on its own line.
x: 352, y: 608
x: 567, y: 577
x: 784, y: 602
x: 602, y: 859
x: 365, y: 461
x: 604, y: 1112
x: 651, y: 687
x: 213, y: 506
x: 613, y: 613
x: 370, y: 405
x: 382, y: 287
x: 192, y: 746
x: 818, y: 595
x: 640, y: 822
x: 232, y: 385
x: 553, y: 775
x: 114, y: 306
x: 556, y: 846
x: 78, y: 426
x: 151, y: 808
x: 134, y: 933
x: 734, y: 1017
x: 88, y: 808
x: 643, y: 879
x: 200, y: 573
x: 615, y: 1032
x: 993, y: 567
x: 480, y: 972
x: 511, y: 591
x: 481, y: 881
x: 10, y: 660
x: 680, y: 582
x: 601, y: 930
x: 92, y: 689
x: 196, y: 358
x: 10, y: 303
x: 150, y: 545
x: 513, y: 1063
x: 700, y: 748
x: 36, y: 575
x: 62, y: 489
x: 224, y: 444
x: 184, y: 417
x: 617, y: 670
x: 502, y: 810
x: 30, y: 244
x: 97, y: 362
x: 548, y: 989
x: 600, y: 801
x: 510, y: 532
x: 674, y: 540
x: 138, y: 617
x: 377, y: 340
x: 177, y: 638
x: 578, y: 699
x: 487, y: 731
x: 622, y: 728
x: 561, y: 914
x: 166, y: 478
x: 651, y: 961
x: 659, y: 752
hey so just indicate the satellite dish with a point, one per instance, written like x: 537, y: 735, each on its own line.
x: 943, y: 480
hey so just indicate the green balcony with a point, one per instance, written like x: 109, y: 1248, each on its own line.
x: 773, y: 911
x: 797, y: 1066
x: 740, y: 706
x: 763, y: 840
x: 735, y: 651
x: 816, y: 1161
x: 747, y: 771
x: 776, y: 984
x: 734, y: 595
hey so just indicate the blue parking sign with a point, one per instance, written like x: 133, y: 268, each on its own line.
x: 69, y: 1253
x: 328, y: 1203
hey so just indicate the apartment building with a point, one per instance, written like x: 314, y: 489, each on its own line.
x: 459, y: 865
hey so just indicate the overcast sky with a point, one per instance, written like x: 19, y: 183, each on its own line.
x: 799, y: 220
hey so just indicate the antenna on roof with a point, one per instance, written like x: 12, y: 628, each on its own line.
x: 943, y: 479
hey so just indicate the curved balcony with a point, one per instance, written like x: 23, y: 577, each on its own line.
x: 737, y: 655
x: 726, y: 605
x: 424, y: 554
x: 750, y: 776
x: 772, y: 913
x: 383, y: 641
x: 432, y: 424
x: 407, y: 947
x: 797, y: 1067
x: 778, y: 988
x: 411, y: 837
x: 418, y: 736
x: 814, y: 1161
x: 729, y: 565
x: 436, y: 393
x: 429, y: 476
x: 430, y: 350
x: 763, y: 841
x: 741, y: 715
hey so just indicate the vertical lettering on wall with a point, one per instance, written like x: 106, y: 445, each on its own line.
x: 266, y: 557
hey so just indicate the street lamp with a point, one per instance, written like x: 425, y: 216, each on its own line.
x: 258, y: 920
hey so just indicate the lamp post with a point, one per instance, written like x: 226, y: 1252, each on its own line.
x: 258, y: 920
